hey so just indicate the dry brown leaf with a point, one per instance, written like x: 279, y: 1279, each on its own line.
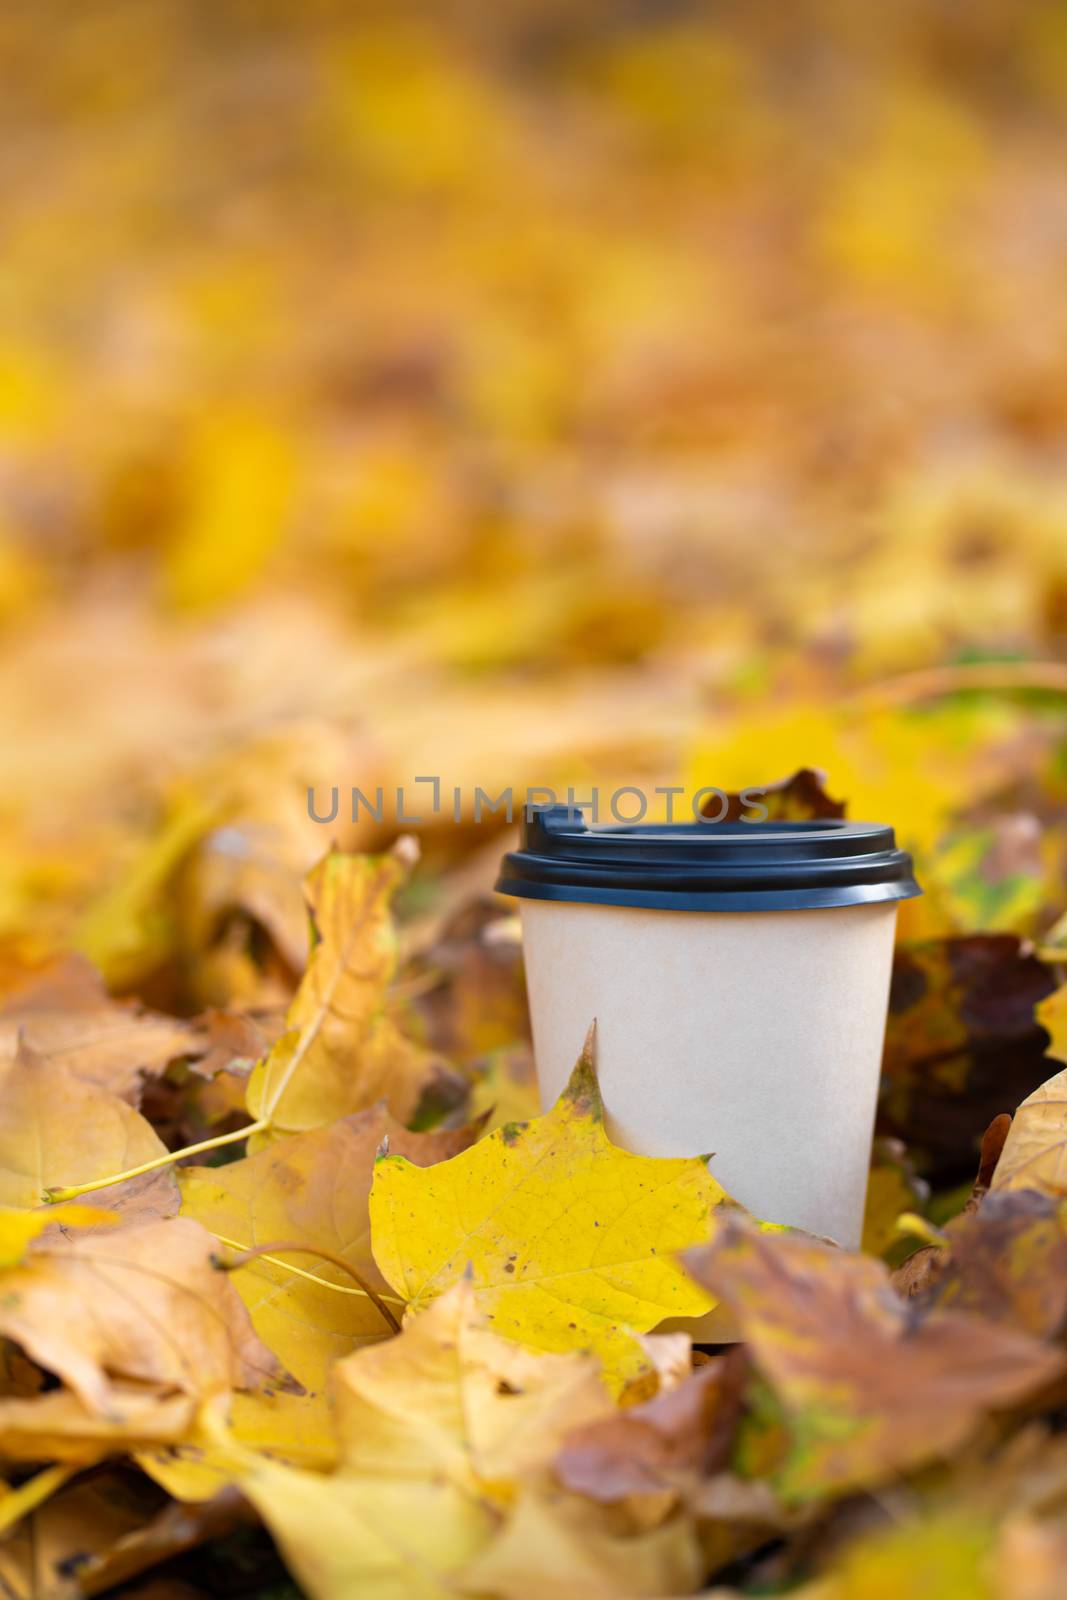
x: 1035, y: 1151
x: 1007, y: 1262
x: 664, y: 1444
x: 868, y: 1388
x: 65, y: 1013
x: 143, y: 1302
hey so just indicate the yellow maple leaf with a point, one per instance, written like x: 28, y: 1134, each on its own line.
x: 570, y: 1241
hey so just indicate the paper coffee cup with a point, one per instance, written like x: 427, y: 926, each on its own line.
x: 739, y: 976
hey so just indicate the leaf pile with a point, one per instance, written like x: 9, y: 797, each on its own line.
x: 532, y: 394
x: 425, y: 1361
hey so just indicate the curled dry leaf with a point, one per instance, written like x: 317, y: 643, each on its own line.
x: 341, y: 1050
x: 798, y: 798
x: 1035, y: 1151
x: 347, y: 1535
x: 469, y: 982
x: 599, y: 1262
x: 235, y: 1041
x: 144, y: 1303
x: 867, y: 1387
x: 437, y: 1431
x: 292, y: 1428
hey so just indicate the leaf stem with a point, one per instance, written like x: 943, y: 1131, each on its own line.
x: 61, y: 1192
x: 270, y: 1252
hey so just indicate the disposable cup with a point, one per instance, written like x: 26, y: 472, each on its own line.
x: 738, y: 974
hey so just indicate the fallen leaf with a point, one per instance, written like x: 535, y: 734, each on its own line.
x: 569, y: 1548
x: 505, y: 1088
x: 343, y: 1536
x: 469, y: 986
x: 59, y: 1129
x: 949, y: 1555
x: 1035, y: 1151
x: 1007, y: 1262
x: 418, y: 1421
x: 59, y: 1426
x: 921, y: 1269
x: 18, y: 1228
x: 598, y: 1267
x: 988, y: 873
x: 341, y: 1051
x: 1029, y: 1559
x: 234, y: 1041
x: 295, y: 1429
x: 311, y: 1188
x: 450, y: 1400
x: 665, y: 1443
x: 868, y: 1388
x: 892, y: 1188
x: 799, y: 798
x: 66, y: 1014
x: 143, y: 1302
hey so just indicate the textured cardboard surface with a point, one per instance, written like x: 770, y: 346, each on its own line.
x: 755, y: 1037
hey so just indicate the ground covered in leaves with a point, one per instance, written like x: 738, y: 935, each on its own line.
x: 365, y: 1298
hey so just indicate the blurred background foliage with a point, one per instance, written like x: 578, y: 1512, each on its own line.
x: 533, y: 394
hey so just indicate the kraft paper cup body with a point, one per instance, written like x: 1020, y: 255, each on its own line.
x: 738, y: 974
x: 754, y: 1036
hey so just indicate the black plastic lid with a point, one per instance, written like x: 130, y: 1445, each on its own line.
x: 707, y: 866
